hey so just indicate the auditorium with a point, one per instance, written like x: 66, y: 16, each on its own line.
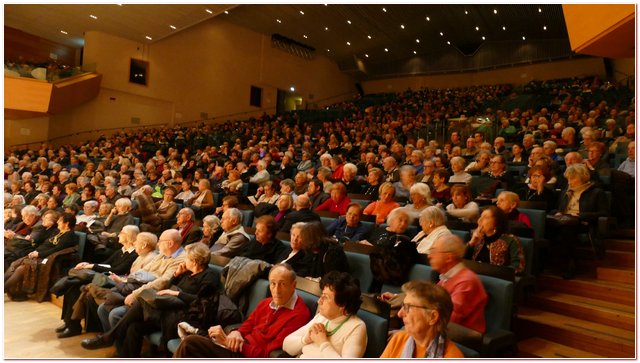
x: 314, y: 181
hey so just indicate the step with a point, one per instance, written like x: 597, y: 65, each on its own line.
x: 542, y: 348
x: 580, y: 334
x: 598, y: 311
x: 616, y: 274
x: 623, y: 233
x: 604, y: 290
x: 615, y: 244
x: 612, y: 258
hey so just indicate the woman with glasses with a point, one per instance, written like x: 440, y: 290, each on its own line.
x: 536, y: 190
x: 425, y: 312
x: 336, y: 331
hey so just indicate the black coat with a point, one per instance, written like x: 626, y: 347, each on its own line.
x: 593, y: 204
x: 53, y: 244
x: 304, y: 215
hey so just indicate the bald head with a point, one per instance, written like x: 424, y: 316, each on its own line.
x: 169, y: 242
x: 303, y: 202
x: 572, y: 158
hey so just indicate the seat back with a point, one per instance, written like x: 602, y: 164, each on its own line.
x: 417, y: 272
x: 256, y: 293
x: 360, y: 268
x: 82, y: 241
x: 538, y: 220
x: 247, y: 217
x: 309, y: 291
x: 464, y: 235
x: 136, y: 221
x: 499, y: 309
x: 527, y: 248
x: 375, y: 315
x: 326, y: 221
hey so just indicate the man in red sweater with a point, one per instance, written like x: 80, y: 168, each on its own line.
x: 264, y: 330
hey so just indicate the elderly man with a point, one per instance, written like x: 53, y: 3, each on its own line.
x: 629, y: 165
x: 234, y: 239
x: 303, y: 213
x: 596, y: 161
x: 264, y: 330
x: 390, y: 166
x: 185, y: 224
x: 90, y: 209
x: 25, y: 237
x: 349, y: 172
x: 157, y: 274
x: 111, y: 194
x: 125, y: 188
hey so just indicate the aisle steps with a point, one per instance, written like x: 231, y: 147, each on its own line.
x: 604, y: 290
x: 542, y: 348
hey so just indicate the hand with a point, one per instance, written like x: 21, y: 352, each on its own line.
x: 129, y: 300
x: 113, y: 211
x: 216, y: 333
x: 234, y: 341
x: 9, y: 234
x: 81, y: 265
x: 33, y: 254
x: 168, y: 292
x: 386, y: 296
x: 182, y: 268
x: 318, y: 334
x: 115, y: 277
x: 365, y: 242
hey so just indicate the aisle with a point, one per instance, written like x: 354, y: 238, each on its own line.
x: 29, y: 333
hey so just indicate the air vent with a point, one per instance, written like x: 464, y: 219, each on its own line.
x: 292, y: 47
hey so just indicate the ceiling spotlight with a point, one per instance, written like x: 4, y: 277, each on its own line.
x: 483, y: 38
x: 544, y: 27
x: 226, y: 12
x: 417, y: 40
x: 386, y: 49
x: 441, y: 34
x: 119, y: 4
x: 148, y: 37
x: 301, y: 12
x: 369, y: 36
x: 384, y: 9
x: 539, y: 10
x: 495, y: 11
x: 428, y: 18
x: 448, y: 42
x: 328, y: 50
x: 326, y: 4
x: 466, y: 12
x: 414, y: 52
x: 523, y: 38
x: 348, y: 43
x: 279, y: 21
x: 401, y: 26
x: 349, y: 22
x: 292, y: 89
x: 366, y: 55
x: 305, y: 36
x: 477, y: 28
x: 172, y: 27
x: 504, y: 27
x: 208, y: 11
x: 326, y: 28
x: 93, y: 16
x: 63, y: 32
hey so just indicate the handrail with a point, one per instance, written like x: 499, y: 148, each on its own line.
x: 224, y: 116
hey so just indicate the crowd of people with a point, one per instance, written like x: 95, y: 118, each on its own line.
x: 157, y: 205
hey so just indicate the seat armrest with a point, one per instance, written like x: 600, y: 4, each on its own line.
x: 497, y: 341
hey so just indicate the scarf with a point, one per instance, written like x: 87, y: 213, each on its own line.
x: 434, y: 350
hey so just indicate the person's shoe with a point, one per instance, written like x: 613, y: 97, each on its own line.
x: 95, y: 343
x: 61, y: 328
x: 68, y: 332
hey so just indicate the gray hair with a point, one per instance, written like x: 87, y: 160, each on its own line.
x: 30, y: 210
x: 433, y: 214
x: 123, y: 202
x: 91, y: 203
x: 131, y: 232
x: 578, y: 170
x: 391, y: 218
x: 407, y: 169
x: 454, y: 244
x: 212, y: 221
x: 350, y: 166
x: 422, y: 189
x: 149, y: 238
x: 188, y: 210
x: 235, y: 214
x: 458, y: 160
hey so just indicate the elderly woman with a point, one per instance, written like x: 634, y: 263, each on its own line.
x: 579, y: 208
x: 324, y: 175
x: 233, y: 184
x: 462, y: 206
x: 185, y: 192
x: 382, y: 207
x: 374, y: 179
x: 396, y: 254
x: 536, y: 190
x: 296, y: 256
x: 508, y: 202
x: 336, y: 331
x: 21, y: 245
x: 348, y: 227
x: 72, y: 196
x: 202, y: 201
x: 432, y: 222
x: 285, y: 206
x: 407, y: 180
x: 420, y: 198
x: 324, y: 253
x: 167, y: 208
x: 481, y: 165
x: 338, y: 201
x: 13, y: 277
x: 266, y: 194
x: 441, y: 192
x: 211, y: 230
x: 459, y: 175
x: 490, y: 242
x: 119, y: 217
x: 262, y: 175
x: 118, y: 263
x: 426, y: 310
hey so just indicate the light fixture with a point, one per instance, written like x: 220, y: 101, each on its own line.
x: 401, y: 26
x: 483, y: 38
x: 172, y: 27
x: 477, y: 28
x: 369, y: 36
x: 93, y: 16
x: 523, y: 37
x: 279, y: 21
x: 417, y: 40
x: 348, y: 43
x: 292, y: 89
x: 414, y: 52
x: 539, y: 10
x: 349, y: 22
x: 504, y: 27
x: 366, y: 55
x: 326, y: 28
x: 495, y: 11
x: 301, y: 12
x: 386, y: 49
x: 466, y: 12
x: 384, y: 9
x: 226, y: 12
x: 448, y: 42
x: 208, y: 11
x: 328, y: 50
x: 428, y: 18
x: 63, y: 32
x: 119, y: 4
x: 544, y: 27
x: 305, y: 36
x: 148, y: 37
x: 441, y: 34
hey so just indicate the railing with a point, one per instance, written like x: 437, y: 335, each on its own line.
x: 44, y: 73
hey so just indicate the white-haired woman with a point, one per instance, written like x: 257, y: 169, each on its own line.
x: 262, y: 175
x: 459, y: 175
x: 420, y: 194
x: 211, y: 230
x: 432, y: 222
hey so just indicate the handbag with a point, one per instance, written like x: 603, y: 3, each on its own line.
x: 102, y: 280
x: 83, y: 274
x: 151, y: 298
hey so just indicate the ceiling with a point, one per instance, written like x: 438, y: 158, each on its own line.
x: 403, y: 30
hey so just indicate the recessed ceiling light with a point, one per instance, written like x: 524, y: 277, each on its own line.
x: 366, y: 55
x: 93, y: 16
x: 386, y: 49
x: 495, y: 11
x: 328, y: 50
x: 483, y: 38
x: 326, y: 4
x: 539, y: 10
x: 477, y: 28
x: 414, y: 52
x: 292, y: 89
x: 119, y: 4
x: 523, y: 37
x: 369, y: 36
x: 544, y: 27
x: 208, y: 11
x: 466, y: 12
x: 348, y: 43
x: 301, y: 12
x: 441, y: 34
x: 305, y: 36
x: 428, y: 18
x: 279, y: 21
x: 504, y: 27
x: 401, y: 26
x: 63, y: 32
x: 349, y: 22
x: 326, y: 28
x: 148, y: 37
x: 448, y: 42
x: 226, y: 12
x: 417, y: 40
x: 172, y: 27
x: 384, y: 9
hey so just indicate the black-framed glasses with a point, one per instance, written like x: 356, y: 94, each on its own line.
x: 407, y: 307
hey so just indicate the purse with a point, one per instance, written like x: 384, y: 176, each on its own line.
x: 84, y: 274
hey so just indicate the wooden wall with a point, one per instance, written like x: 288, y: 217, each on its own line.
x: 34, y: 49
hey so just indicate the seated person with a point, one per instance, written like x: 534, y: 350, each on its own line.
x: 374, y: 179
x: 425, y: 311
x: 233, y: 238
x: 264, y: 330
x: 186, y: 225
x: 264, y: 246
x: 519, y: 223
x: 349, y: 227
x: 536, y: 190
x: 462, y: 207
x: 185, y: 193
x: 459, y: 175
x: 432, y: 221
x: 490, y: 242
x: 323, y: 252
x: 211, y: 230
x: 441, y: 192
x: 202, y: 201
x: 285, y: 207
x: 338, y: 201
x: 266, y: 194
x: 497, y: 178
x: 167, y: 208
x: 407, y: 180
x: 105, y: 243
x: 481, y: 165
x: 420, y: 199
x: 382, y: 207
x: 336, y: 331
x: 303, y: 213
x: 297, y: 256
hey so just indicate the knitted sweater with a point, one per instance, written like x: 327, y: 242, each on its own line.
x: 469, y: 299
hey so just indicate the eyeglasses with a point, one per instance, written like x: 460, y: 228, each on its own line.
x: 407, y: 307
